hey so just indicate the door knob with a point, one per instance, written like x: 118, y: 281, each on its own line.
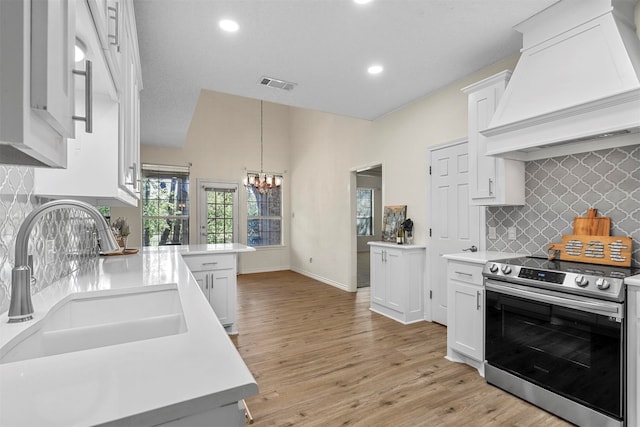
x: 473, y: 248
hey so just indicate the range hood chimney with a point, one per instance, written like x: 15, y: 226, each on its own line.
x: 576, y: 87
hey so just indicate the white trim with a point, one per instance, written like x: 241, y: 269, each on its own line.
x: 333, y: 283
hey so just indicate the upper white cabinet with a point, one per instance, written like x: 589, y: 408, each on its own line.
x: 109, y: 17
x: 103, y: 167
x: 36, y: 81
x: 493, y: 181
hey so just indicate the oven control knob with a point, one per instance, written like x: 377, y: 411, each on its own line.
x: 506, y: 269
x: 581, y: 281
x: 602, y: 284
x: 493, y: 268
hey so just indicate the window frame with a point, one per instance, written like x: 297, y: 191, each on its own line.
x: 160, y: 172
x: 370, y: 217
x: 266, y: 217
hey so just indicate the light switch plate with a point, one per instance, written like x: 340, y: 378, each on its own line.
x: 492, y: 233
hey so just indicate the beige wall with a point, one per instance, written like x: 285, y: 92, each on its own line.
x: 222, y: 141
x: 319, y: 153
x: 327, y: 148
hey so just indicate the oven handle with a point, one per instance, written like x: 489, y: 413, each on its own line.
x: 612, y: 309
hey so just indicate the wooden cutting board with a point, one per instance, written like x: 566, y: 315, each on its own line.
x: 605, y: 250
x: 592, y: 225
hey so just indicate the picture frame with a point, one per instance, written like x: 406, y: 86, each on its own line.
x: 392, y: 217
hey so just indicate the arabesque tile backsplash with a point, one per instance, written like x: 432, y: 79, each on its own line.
x: 561, y: 188
x: 69, y: 233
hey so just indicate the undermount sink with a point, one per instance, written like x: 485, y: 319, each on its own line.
x: 100, y: 319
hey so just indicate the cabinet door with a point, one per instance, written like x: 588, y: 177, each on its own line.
x: 466, y: 326
x: 220, y: 295
x: 396, y: 280
x: 378, y: 276
x: 482, y: 104
x: 203, y: 281
x: 52, y: 62
x: 129, y: 143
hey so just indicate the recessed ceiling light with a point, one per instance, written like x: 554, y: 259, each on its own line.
x: 375, y: 69
x: 362, y: 1
x: 229, y: 25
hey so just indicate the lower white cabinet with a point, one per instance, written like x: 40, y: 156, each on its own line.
x: 216, y: 275
x: 397, y: 277
x: 465, y: 313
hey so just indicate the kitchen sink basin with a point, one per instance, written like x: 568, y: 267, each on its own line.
x: 99, y: 319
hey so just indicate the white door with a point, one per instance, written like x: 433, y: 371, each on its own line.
x: 455, y: 225
x: 217, y: 212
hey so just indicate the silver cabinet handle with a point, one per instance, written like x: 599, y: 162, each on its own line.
x: 210, y: 263
x: 115, y: 38
x: 490, y: 187
x: 464, y: 274
x: 206, y: 282
x: 477, y: 300
x: 88, y: 97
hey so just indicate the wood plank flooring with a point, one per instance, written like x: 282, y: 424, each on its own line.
x: 321, y: 358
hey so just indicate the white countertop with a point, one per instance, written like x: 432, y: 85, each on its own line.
x: 397, y: 246
x: 633, y: 281
x: 184, y: 373
x: 481, y: 257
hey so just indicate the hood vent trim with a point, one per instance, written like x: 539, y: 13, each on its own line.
x: 578, y: 78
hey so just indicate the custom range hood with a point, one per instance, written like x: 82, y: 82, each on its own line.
x: 576, y: 87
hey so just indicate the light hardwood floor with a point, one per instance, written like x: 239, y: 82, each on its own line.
x: 321, y: 358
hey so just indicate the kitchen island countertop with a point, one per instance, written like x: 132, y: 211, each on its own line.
x: 145, y: 382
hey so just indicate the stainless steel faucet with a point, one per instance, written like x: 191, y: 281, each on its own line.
x: 20, y: 306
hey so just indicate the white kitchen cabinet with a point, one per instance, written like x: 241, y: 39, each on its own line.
x: 102, y: 167
x: 493, y: 181
x: 216, y: 276
x: 465, y: 313
x: 109, y: 19
x: 397, y: 277
x: 37, y: 41
x: 633, y: 354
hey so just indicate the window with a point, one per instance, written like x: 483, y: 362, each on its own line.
x: 264, y: 216
x: 165, y: 205
x: 364, y: 211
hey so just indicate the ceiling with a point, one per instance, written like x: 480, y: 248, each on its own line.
x: 324, y: 46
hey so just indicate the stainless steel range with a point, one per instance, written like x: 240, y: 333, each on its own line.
x: 555, y: 336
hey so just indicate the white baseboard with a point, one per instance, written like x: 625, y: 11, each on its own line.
x: 262, y: 270
x: 333, y: 283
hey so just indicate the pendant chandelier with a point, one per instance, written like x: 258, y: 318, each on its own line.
x: 262, y: 181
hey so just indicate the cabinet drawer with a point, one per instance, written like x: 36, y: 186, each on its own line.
x: 465, y: 272
x: 210, y: 262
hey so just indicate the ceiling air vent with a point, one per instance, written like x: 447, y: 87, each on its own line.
x: 278, y: 84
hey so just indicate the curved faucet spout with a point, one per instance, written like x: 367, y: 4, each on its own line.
x: 20, y: 307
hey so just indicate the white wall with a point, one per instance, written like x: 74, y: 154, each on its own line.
x: 326, y: 147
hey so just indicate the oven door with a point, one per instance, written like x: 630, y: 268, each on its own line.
x: 570, y: 345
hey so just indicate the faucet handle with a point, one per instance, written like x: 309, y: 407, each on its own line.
x: 30, y: 264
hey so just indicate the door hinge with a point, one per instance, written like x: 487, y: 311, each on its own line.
x: 430, y: 231
x: 430, y: 294
x: 429, y: 170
